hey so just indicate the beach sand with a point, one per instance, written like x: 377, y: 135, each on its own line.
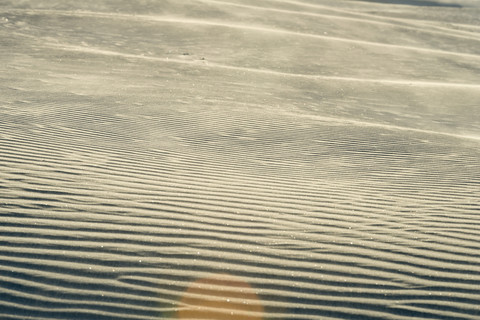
x: 310, y: 159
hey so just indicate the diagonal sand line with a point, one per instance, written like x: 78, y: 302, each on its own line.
x: 270, y: 72
x: 253, y: 28
x: 386, y: 126
x: 205, y: 64
x: 381, y: 20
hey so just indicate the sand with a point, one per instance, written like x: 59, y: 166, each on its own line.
x: 276, y: 159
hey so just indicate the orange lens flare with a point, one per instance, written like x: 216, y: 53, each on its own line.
x: 220, y: 297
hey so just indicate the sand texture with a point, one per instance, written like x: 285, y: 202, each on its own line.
x: 239, y: 159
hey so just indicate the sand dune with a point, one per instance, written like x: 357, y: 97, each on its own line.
x: 239, y: 159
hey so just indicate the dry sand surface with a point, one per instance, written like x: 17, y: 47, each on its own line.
x: 239, y: 159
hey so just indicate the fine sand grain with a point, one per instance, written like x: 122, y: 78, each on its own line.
x: 204, y: 159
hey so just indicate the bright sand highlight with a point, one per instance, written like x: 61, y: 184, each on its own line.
x: 220, y: 296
